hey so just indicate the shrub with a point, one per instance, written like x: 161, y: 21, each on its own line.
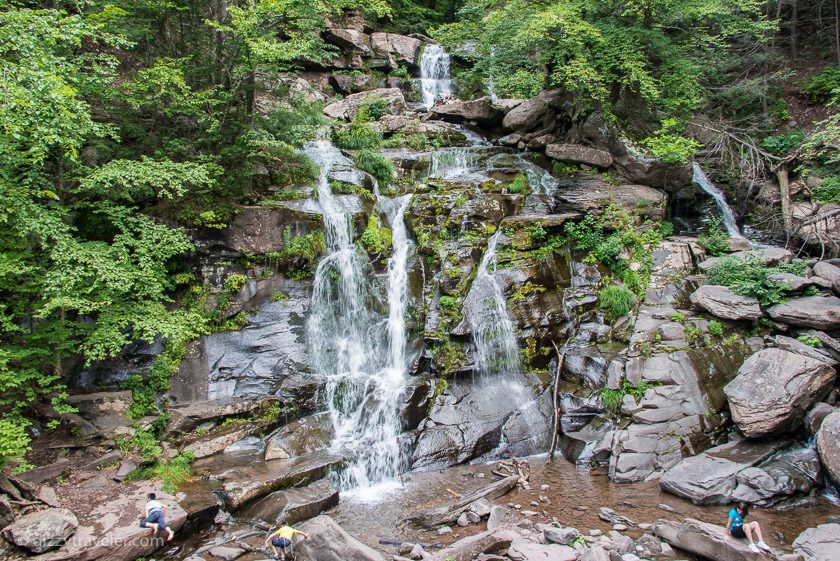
x: 14, y: 440
x: 678, y: 317
x: 373, y: 110
x: 751, y: 277
x: 715, y: 328
x: 715, y: 240
x: 358, y: 135
x: 823, y: 86
x: 783, y: 144
x: 616, y: 300
x: 377, y: 165
x: 400, y: 72
x: 828, y: 191
x: 611, y: 399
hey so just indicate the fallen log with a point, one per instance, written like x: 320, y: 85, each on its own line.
x: 450, y: 512
x: 394, y: 541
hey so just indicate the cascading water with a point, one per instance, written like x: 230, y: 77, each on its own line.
x: 452, y: 162
x: 706, y: 184
x: 435, y: 79
x: 496, y: 352
x: 366, y: 374
x: 539, y: 180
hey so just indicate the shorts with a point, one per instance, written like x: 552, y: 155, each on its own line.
x: 281, y: 542
x: 737, y: 532
x: 155, y: 517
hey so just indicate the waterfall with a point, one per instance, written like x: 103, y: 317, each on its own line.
x: 539, y: 181
x: 452, y: 162
x: 703, y: 181
x: 365, y: 365
x: 434, y: 75
x: 486, y: 310
x: 491, y: 83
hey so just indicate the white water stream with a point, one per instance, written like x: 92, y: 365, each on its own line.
x: 366, y: 372
x: 435, y: 78
x: 706, y: 184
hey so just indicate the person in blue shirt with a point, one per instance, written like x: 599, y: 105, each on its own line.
x: 737, y: 528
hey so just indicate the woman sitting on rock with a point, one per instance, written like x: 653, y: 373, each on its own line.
x: 737, y: 528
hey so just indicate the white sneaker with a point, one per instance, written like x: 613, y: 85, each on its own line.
x: 754, y: 548
x: 763, y: 545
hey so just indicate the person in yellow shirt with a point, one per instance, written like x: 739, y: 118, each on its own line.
x: 282, y: 538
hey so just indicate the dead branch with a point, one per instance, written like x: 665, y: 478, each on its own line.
x: 556, y: 401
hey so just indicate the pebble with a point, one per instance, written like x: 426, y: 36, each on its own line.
x: 595, y: 533
x: 444, y: 530
x: 517, y: 506
x: 630, y: 557
x: 544, y: 487
x: 666, y: 508
x: 473, y: 517
x: 534, y: 503
x: 620, y: 527
x: 481, y: 475
x: 544, y: 499
x: 463, y: 521
x: 581, y: 508
x: 530, y: 513
x: 645, y: 526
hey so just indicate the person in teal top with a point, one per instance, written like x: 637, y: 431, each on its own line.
x: 737, y: 528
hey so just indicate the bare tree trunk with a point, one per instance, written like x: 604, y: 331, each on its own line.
x: 794, y: 17
x: 560, y: 357
x: 837, y: 29
x: 784, y: 191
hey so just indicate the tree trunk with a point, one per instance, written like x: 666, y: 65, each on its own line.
x: 784, y: 191
x: 837, y: 29
x: 556, y: 402
x: 794, y: 17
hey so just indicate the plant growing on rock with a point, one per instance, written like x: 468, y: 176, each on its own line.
x: 750, y: 276
x: 616, y: 300
x: 611, y: 399
x: 716, y: 328
x: 518, y: 185
x: 358, y: 134
x: 669, y: 145
x: 715, y: 240
x: 809, y: 340
x: 375, y: 239
x: 172, y: 473
x: 377, y: 165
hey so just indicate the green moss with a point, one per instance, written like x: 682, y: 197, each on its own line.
x: 616, y: 300
x: 518, y: 185
x: 523, y: 291
x: 375, y: 239
x: 344, y: 188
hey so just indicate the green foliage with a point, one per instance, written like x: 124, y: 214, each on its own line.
x: 783, y: 144
x: 523, y: 291
x: 285, y: 164
x: 823, y: 86
x: 670, y: 146
x: 300, y: 250
x: 828, y: 191
x: 615, y: 240
x: 715, y: 328
x: 373, y: 110
x: 358, y: 134
x: 14, y: 440
x: 400, y: 72
x: 715, y: 240
x: 172, y: 473
x: 809, y: 340
x: 597, y: 51
x: 616, y: 300
x: 678, y: 317
x: 518, y: 185
x: 611, y: 399
x: 380, y: 167
x: 448, y: 304
x: 375, y: 239
x: 666, y: 228
x: 143, y: 443
x: 751, y: 277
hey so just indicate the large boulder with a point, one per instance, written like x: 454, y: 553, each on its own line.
x: 710, y: 477
x: 766, y: 255
x: 348, y: 39
x: 106, y: 410
x: 819, y: 312
x: 591, y: 193
x: 329, y: 542
x: 301, y: 437
x: 819, y: 544
x: 723, y: 303
x: 186, y: 418
x: 828, y: 445
x: 42, y: 530
x: 774, y: 388
x: 706, y: 540
x: 347, y: 108
x: 480, y: 110
x: 532, y: 112
x: 294, y: 505
x: 396, y: 49
x: 579, y: 154
x: 788, y: 473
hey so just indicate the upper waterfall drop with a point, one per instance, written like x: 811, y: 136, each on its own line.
x: 706, y: 184
x: 435, y: 75
x: 360, y: 350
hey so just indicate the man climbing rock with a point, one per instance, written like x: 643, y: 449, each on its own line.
x: 282, y: 538
x: 155, y: 517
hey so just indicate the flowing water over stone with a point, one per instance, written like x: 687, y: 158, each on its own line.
x: 703, y: 181
x: 452, y: 163
x: 493, y: 336
x: 435, y: 78
x: 366, y: 373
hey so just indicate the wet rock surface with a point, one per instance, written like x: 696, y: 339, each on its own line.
x: 819, y: 544
x: 42, y: 530
x: 828, y: 445
x: 723, y: 303
x: 329, y: 542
